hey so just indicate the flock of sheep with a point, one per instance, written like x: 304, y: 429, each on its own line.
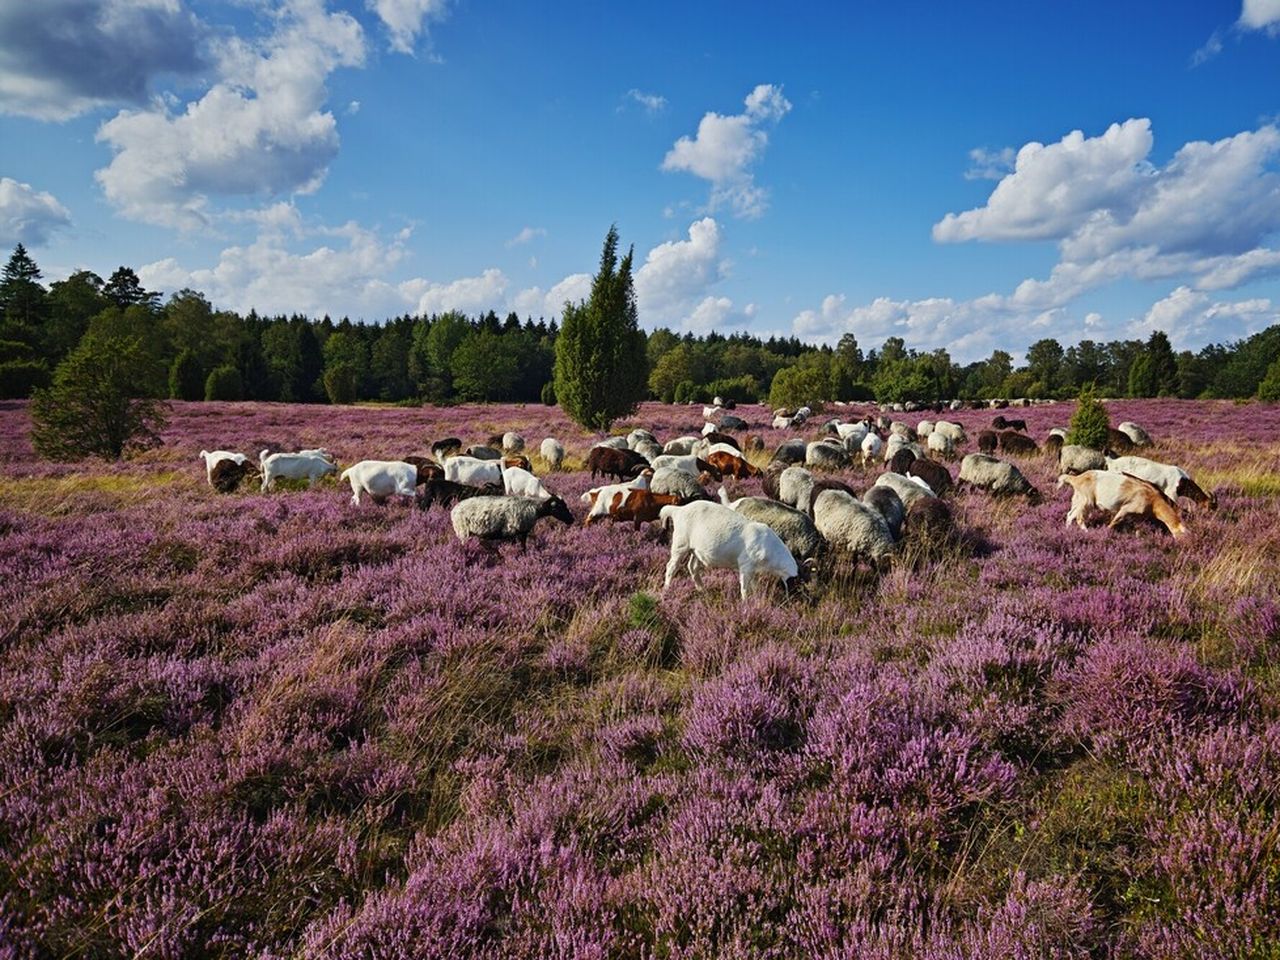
x: 805, y: 511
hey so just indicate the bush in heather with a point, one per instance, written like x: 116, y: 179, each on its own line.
x: 1090, y: 423
x: 224, y: 383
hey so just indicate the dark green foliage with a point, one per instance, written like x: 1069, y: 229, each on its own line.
x: 743, y: 389
x: 1154, y: 371
x: 126, y: 290
x: 186, y: 380
x: 224, y: 383
x: 548, y: 395
x: 806, y: 382
x: 601, y: 368
x: 1090, y: 423
x: 686, y: 392
x: 485, y: 366
x: 1269, y: 388
x: 97, y: 404
x: 22, y: 298
x: 18, y: 378
x: 340, y: 382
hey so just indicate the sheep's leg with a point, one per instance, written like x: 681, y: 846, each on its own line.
x: 1127, y: 510
x: 673, y: 565
x: 746, y: 579
x: 355, y: 498
x: 694, y: 566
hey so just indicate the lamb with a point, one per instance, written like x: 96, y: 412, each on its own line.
x: 931, y: 472
x: 886, y: 502
x: 518, y: 482
x: 1073, y: 458
x: 996, y: 476
x: 446, y: 492
x: 796, y: 530
x: 1171, y: 480
x: 613, y: 462
x: 871, y: 447
x: 1018, y: 444
x: 710, y: 536
x: 988, y: 440
x: 909, y: 489
x: 293, y: 466
x: 854, y: 527
x: 553, y: 452
x: 826, y: 456
x: 1138, y: 436
x: 504, y: 518
x: 472, y: 471
x: 716, y: 437
x: 512, y: 442
x: 213, y: 457
x: 1120, y: 495
x: 381, y: 479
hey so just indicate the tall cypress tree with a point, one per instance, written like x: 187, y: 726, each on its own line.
x: 601, y: 367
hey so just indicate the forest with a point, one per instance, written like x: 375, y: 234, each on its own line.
x: 199, y: 352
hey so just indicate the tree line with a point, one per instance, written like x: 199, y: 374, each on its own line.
x: 189, y: 350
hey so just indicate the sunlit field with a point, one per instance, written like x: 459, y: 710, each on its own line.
x: 281, y: 725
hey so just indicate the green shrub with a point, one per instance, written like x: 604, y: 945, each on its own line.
x: 340, y: 383
x: 186, y: 382
x: 743, y: 389
x: 18, y: 378
x: 1269, y: 388
x: 549, y: 393
x: 1090, y: 423
x: 224, y: 383
x: 686, y: 391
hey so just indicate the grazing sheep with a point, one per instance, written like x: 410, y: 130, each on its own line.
x: 909, y: 489
x: 473, y: 471
x: 941, y: 444
x: 998, y: 477
x: 678, y: 483
x: 1017, y: 444
x: 850, y: 525
x: 447, y: 493
x: 427, y: 468
x: 1073, y: 458
x: 599, y: 498
x: 713, y: 437
x: 937, y: 476
x: 442, y: 448
x: 613, y: 443
x: 226, y: 474
x: 680, y: 446
x: 293, y: 466
x: 504, y: 518
x: 724, y: 464
x: 1171, y: 480
x: 650, y: 451
x: 886, y: 502
x: 988, y: 440
x: 871, y: 446
x: 512, y: 442
x: 796, y: 530
x: 211, y: 458
x: 791, y: 451
x: 638, y: 436
x: 518, y: 482
x: 901, y: 459
x: 794, y: 487
x: 690, y: 463
x: 929, y: 521
x: 822, y: 455
x: 552, y: 452
x: 1138, y: 436
x: 1119, y: 442
x: 381, y: 479
x: 729, y: 422
x: 753, y: 443
x: 900, y: 429
x: 614, y: 462
x: 952, y: 430
x: 636, y: 506
x: 1120, y: 495
x: 852, y: 434
x: 923, y: 429
x: 710, y: 536
x: 1053, y: 444
x: 480, y: 451
x: 1000, y: 422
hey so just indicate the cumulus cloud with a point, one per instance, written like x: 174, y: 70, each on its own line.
x: 406, y: 20
x: 28, y: 215
x: 990, y: 164
x: 1191, y: 318
x: 651, y: 102
x: 62, y: 58
x: 526, y: 235
x: 535, y: 302
x: 260, y: 130
x: 708, y: 315
x: 1260, y: 15
x: 726, y: 147
x: 676, y: 275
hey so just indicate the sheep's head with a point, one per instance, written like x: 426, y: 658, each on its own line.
x: 557, y: 508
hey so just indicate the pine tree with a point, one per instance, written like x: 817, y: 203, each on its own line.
x: 22, y: 298
x: 601, y: 367
x: 1090, y: 423
x: 126, y: 290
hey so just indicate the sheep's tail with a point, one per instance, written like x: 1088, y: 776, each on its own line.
x: 1065, y: 478
x: 263, y: 454
x: 724, y: 496
x: 343, y: 475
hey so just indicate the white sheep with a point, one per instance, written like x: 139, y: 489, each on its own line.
x: 293, y: 466
x: 504, y: 518
x: 552, y: 452
x: 680, y: 446
x: 512, y: 442
x: 997, y: 476
x: 381, y: 479
x: 1074, y: 458
x: 638, y: 436
x: 941, y: 444
x: 1171, y: 480
x: 851, y: 525
x: 473, y: 471
x: 213, y: 457
x: 952, y: 430
x: 871, y: 447
x: 617, y: 443
x: 923, y: 429
x: 1135, y: 433
x: 908, y: 489
x: 688, y: 463
x: 710, y: 536
x: 519, y: 482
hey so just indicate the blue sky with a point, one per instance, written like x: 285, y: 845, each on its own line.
x: 967, y: 176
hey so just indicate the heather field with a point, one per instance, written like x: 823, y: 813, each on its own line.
x: 243, y: 725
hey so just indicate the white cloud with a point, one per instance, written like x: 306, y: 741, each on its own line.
x: 260, y: 130
x: 653, y: 103
x: 407, y: 19
x: 1191, y: 318
x: 62, y: 58
x: 708, y: 315
x: 726, y: 147
x: 990, y: 164
x: 28, y: 215
x: 468, y: 294
x: 677, y: 274
x: 534, y: 302
x: 1260, y: 15
x: 1055, y: 189
x: 526, y: 235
